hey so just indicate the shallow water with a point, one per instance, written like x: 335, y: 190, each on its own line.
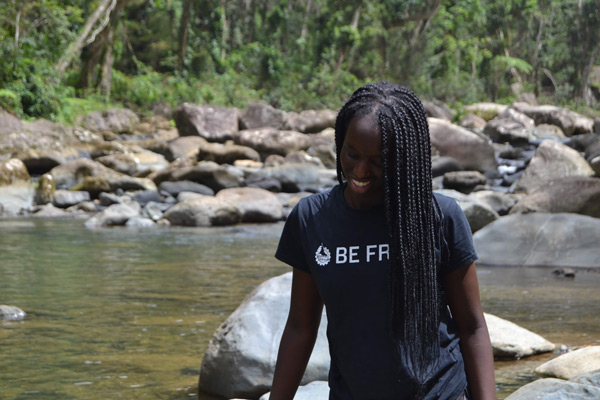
x: 122, y: 313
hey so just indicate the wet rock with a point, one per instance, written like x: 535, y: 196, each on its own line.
x: 572, y: 364
x: 145, y: 196
x: 240, y: 358
x: 140, y: 222
x: 68, y: 198
x: 45, y: 190
x: 310, y: 121
x: 115, y: 120
x: 11, y: 313
x: 255, y: 205
x: 316, y: 390
x: 472, y: 151
x: 552, y: 160
x: 154, y: 210
x: 203, y: 211
x: 510, y: 341
x: 226, y: 154
x: 108, y: 199
x: 272, y: 141
x: 174, y: 188
x: 259, y: 115
x: 215, y: 124
x: 555, y: 389
x: 463, y: 181
x: 570, y: 122
x: 576, y: 194
x: 555, y: 240
x: 114, y: 215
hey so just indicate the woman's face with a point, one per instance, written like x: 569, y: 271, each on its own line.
x: 362, y: 163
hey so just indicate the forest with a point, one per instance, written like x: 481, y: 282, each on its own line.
x: 61, y: 58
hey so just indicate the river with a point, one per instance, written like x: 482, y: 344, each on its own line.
x: 127, y: 314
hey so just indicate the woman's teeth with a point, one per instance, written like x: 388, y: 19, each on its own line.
x: 359, y: 183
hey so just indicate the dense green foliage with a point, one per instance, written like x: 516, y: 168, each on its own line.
x: 293, y: 54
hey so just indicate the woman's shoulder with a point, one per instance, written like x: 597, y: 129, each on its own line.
x: 448, y: 204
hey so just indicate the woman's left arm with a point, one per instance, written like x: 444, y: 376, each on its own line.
x: 462, y: 289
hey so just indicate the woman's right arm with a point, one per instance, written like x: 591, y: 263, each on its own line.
x: 299, y: 336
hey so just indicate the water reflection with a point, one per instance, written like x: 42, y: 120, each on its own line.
x: 119, y: 313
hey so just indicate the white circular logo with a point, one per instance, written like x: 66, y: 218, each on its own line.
x: 322, y: 256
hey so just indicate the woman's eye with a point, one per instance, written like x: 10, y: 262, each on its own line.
x: 352, y: 155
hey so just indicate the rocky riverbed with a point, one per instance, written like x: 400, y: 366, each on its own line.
x: 526, y: 176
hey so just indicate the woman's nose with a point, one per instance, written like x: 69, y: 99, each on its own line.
x: 361, y: 169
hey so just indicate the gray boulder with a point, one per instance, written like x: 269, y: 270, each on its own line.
x: 473, y: 122
x: 309, y: 121
x: 68, y: 198
x: 487, y: 111
x: 570, y: 122
x: 215, y: 124
x: 9, y: 123
x: 174, y: 188
x: 442, y: 165
x: 478, y: 213
x: 295, y: 177
x: 502, y: 203
x: 41, y: 161
x: 463, y: 181
x: 140, y: 222
x: 255, y: 205
x: 16, y: 190
x: 272, y: 141
x: 510, y: 126
x: 11, y: 313
x: 207, y: 173
x: 572, y: 364
x: 115, y: 120
x: 552, y: 160
x: 241, y: 356
x: 316, y: 390
x: 555, y: 389
x: 510, y: 341
x: 558, y: 240
x: 547, y: 131
x: 44, y: 193
x: 576, y: 194
x: 259, y: 115
x: 182, y: 147
x: 114, y: 215
x: 226, y: 153
x: 473, y: 152
x: 203, y: 211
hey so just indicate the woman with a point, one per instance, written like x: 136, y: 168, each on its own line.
x: 393, y: 264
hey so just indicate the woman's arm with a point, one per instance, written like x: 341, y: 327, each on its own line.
x: 298, y: 337
x: 465, y: 304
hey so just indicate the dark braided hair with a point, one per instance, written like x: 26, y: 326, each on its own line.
x: 413, y: 217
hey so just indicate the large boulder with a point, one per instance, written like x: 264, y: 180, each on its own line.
x: 68, y: 198
x: 310, y: 121
x: 207, y: 173
x: 473, y: 152
x: 510, y: 126
x: 241, y: 356
x: 464, y: 181
x: 562, y: 240
x: 16, y: 190
x: 272, y: 141
x: 215, y: 124
x: 203, y: 211
x: 9, y: 123
x: 556, y: 389
x: 40, y: 161
x: 117, y: 120
x: 576, y: 194
x: 226, y: 153
x: 260, y: 115
x: 510, y: 341
x: 255, y: 205
x: 138, y: 163
x: 502, y: 203
x: 294, y: 177
x: 487, y: 111
x: 182, y: 147
x: 114, y: 215
x: 478, y: 213
x: 570, y: 122
x: 572, y: 364
x: 552, y: 160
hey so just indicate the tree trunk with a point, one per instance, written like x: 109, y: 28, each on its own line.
x: 346, y: 49
x: 305, y: 20
x: 184, y: 27
x: 75, y: 48
x: 106, y: 70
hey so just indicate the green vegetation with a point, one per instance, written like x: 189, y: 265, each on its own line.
x: 59, y: 58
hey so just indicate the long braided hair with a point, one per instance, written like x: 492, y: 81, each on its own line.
x: 413, y: 217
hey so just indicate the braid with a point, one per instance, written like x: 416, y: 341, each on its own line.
x: 413, y: 217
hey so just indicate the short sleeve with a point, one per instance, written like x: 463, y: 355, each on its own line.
x: 459, y: 238
x: 290, y: 249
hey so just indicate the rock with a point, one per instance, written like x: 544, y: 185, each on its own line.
x: 122, y: 163
x: 553, y: 240
x: 572, y: 364
x: 114, y: 120
x: 108, y: 199
x: 68, y: 198
x: 565, y: 272
x: 511, y: 127
x: 255, y: 205
x: 555, y: 389
x: 552, y: 160
x: 316, y: 390
x: 203, y: 211
x: 472, y: 151
x: 568, y: 121
x: 301, y: 157
x: 227, y: 153
x: 183, y: 196
x: 114, y: 215
x: 174, y: 188
x: 589, y: 378
x: 576, y: 194
x: 45, y: 190
x: 323, y: 146
x: 16, y: 189
x: 487, y: 111
x: 272, y: 141
x: 310, y: 121
x: 207, y: 173
x: 240, y: 358
x: 473, y: 122
x: 510, y: 341
x: 72, y: 173
x: 146, y: 196
x: 185, y: 146
x: 478, y: 214
x: 547, y: 131
x: 86, y: 206
x: 438, y: 109
x: 260, y: 115
x: 463, y: 181
x: 292, y: 177
x: 501, y: 203
x: 50, y: 211
x: 11, y: 313
x: 215, y: 124
x: 154, y: 210
x: 140, y: 222
x: 40, y: 161
x: 441, y: 165
x: 9, y: 123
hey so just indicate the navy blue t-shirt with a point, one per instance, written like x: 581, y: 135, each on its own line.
x: 346, y: 250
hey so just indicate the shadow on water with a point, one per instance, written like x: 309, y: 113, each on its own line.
x: 121, y: 313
